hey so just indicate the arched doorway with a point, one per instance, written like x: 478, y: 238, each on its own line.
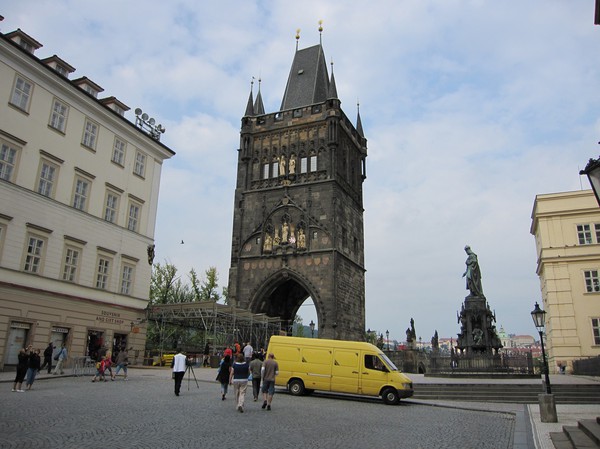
x: 282, y: 295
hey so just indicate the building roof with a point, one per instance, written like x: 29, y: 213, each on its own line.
x: 308, y: 82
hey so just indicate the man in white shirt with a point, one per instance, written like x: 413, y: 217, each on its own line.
x: 179, y: 365
x: 248, y: 350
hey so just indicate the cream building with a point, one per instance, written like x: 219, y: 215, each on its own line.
x: 79, y: 188
x: 566, y: 227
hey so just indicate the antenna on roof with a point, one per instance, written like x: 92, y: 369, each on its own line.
x: 320, y: 32
x: 297, y: 37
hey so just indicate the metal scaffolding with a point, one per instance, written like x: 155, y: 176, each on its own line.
x: 221, y: 323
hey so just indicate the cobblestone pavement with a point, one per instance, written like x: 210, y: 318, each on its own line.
x: 144, y: 413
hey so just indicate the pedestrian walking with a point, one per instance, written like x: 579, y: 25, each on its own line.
x: 100, y: 367
x: 179, y: 364
x: 33, y: 366
x: 223, y: 375
x: 248, y: 351
x: 62, y: 358
x: 48, y: 357
x: 206, y: 361
x: 255, y: 368
x: 22, y: 360
x: 122, y: 362
x: 240, y: 371
x: 270, y: 370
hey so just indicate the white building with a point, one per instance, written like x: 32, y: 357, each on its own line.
x: 79, y: 188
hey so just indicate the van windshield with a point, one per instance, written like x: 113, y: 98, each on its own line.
x: 388, y: 362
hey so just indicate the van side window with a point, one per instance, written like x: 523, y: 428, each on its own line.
x: 373, y: 362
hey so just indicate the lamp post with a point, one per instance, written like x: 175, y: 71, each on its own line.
x: 312, y: 328
x: 387, y: 339
x: 539, y: 318
x: 592, y: 170
x: 547, y: 404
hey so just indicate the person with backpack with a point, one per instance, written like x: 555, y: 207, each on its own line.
x: 223, y: 375
x: 62, y: 358
x: 100, y: 367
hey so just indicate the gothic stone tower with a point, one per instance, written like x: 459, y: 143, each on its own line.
x: 298, y: 212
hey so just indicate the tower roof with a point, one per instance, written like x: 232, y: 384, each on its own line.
x: 308, y: 82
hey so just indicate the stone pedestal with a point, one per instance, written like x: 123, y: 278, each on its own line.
x: 547, y: 408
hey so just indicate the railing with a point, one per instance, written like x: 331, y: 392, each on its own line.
x: 518, y: 364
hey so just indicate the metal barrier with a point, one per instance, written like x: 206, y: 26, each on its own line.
x: 83, y: 366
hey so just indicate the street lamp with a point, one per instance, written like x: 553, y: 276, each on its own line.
x: 539, y: 317
x: 387, y: 338
x: 312, y: 328
x: 547, y: 404
x: 592, y: 170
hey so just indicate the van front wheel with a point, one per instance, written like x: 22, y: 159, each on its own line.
x: 296, y: 387
x: 390, y: 396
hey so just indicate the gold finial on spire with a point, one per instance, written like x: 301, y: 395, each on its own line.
x: 320, y: 32
x: 297, y: 37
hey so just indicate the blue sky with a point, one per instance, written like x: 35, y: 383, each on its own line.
x: 470, y: 108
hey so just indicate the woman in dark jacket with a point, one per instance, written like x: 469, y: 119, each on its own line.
x: 33, y: 366
x: 21, y: 369
x: 223, y: 375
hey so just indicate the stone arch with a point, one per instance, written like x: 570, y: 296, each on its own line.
x: 282, y: 294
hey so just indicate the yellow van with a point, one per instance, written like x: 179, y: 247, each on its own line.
x: 308, y: 364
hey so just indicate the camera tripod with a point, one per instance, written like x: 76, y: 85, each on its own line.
x: 189, y: 369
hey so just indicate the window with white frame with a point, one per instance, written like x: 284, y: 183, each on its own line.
x: 90, y: 134
x: 140, y: 164
x: 21, y: 94
x: 103, y: 272
x: 8, y: 161
x: 34, y: 254
x: 126, y: 279
x: 47, y: 178
x: 58, y: 117
x: 118, y: 155
x: 133, y: 217
x: 313, y: 162
x: 81, y: 192
x: 111, y: 206
x: 266, y: 171
x: 596, y: 330
x: 71, y: 263
x: 592, y: 283
x: 275, y: 168
x: 584, y: 234
x: 303, y: 164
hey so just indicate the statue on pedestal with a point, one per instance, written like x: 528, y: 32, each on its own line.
x: 473, y: 273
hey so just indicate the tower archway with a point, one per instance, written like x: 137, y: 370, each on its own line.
x: 281, y: 295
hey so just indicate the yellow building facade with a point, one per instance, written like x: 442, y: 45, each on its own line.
x: 566, y: 227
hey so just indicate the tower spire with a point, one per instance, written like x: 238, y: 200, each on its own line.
x: 332, y: 87
x: 249, y: 107
x: 259, y: 108
x: 359, y: 127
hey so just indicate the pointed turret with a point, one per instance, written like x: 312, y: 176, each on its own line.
x: 259, y: 108
x: 249, y: 107
x: 359, y: 127
x: 332, y: 88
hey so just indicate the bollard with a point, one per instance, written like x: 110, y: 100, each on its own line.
x: 547, y: 408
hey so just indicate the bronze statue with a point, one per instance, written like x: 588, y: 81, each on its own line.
x: 473, y: 273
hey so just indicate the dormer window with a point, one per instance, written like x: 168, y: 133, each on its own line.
x: 88, y: 85
x: 90, y: 90
x: 116, y: 105
x: 61, y: 67
x: 23, y: 40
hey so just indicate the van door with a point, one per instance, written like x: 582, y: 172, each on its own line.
x: 373, y: 374
x: 344, y: 372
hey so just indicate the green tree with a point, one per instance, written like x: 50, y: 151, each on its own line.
x: 298, y: 327
x: 207, y: 289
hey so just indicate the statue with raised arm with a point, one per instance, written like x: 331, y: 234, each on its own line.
x: 473, y: 273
